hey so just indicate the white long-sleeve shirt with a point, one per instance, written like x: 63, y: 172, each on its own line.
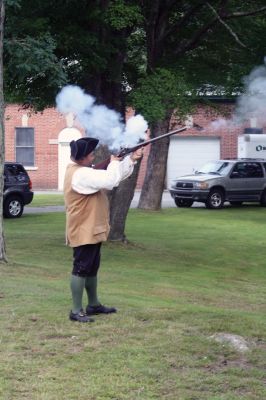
x: 87, y: 180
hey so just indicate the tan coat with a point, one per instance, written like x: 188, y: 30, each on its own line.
x: 87, y: 216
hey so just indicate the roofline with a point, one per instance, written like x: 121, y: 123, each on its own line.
x: 219, y: 99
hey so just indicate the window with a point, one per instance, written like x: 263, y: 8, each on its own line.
x: 247, y: 170
x: 25, y: 146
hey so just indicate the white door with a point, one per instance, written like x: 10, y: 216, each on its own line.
x: 187, y: 154
x: 64, y: 138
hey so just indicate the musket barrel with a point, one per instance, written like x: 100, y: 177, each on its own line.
x: 163, y: 136
x: 127, y: 150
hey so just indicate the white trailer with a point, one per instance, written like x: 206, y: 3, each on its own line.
x: 252, y: 146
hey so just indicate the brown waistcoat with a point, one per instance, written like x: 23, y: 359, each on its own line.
x: 87, y: 216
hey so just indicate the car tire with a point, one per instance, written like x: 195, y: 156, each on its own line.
x: 236, y: 203
x: 263, y: 199
x: 13, y: 207
x: 183, y: 203
x: 215, y: 199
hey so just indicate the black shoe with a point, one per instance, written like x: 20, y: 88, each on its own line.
x: 80, y: 317
x: 100, y: 309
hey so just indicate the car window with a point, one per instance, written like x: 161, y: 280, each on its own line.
x: 15, y: 172
x: 247, y: 170
x: 215, y: 167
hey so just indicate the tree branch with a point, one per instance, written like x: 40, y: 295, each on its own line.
x: 159, y: 27
x: 181, y: 22
x: 245, y: 14
x: 191, y: 44
x: 226, y: 26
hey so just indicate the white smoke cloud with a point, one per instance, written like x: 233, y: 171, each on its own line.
x: 73, y: 99
x: 250, y: 105
x: 99, y: 121
x: 136, y: 126
x: 220, y: 123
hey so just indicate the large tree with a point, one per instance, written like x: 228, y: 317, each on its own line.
x: 209, y: 46
x: 2, y: 134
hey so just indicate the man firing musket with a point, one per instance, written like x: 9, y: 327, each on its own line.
x: 87, y: 220
x: 87, y: 210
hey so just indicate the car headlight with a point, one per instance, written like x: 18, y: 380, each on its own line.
x: 201, y: 185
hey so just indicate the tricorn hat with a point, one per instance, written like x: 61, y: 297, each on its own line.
x: 82, y: 147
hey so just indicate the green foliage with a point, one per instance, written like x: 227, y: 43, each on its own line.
x: 32, y: 64
x: 186, y: 36
x: 51, y: 43
x: 136, y: 62
x: 159, y: 93
x: 218, y: 62
x: 120, y: 14
x: 111, y: 45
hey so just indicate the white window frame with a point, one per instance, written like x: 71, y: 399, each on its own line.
x: 25, y: 164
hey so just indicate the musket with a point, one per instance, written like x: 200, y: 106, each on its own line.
x: 126, y: 150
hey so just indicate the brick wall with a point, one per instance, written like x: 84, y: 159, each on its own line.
x: 49, y: 123
x: 47, y: 126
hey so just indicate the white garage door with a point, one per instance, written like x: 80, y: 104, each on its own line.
x: 187, y: 154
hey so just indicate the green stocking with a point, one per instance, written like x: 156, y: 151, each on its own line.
x: 91, y: 289
x: 77, y: 285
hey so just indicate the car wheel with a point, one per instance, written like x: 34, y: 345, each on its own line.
x: 263, y: 199
x: 183, y: 203
x: 215, y: 199
x: 13, y: 207
x: 236, y: 203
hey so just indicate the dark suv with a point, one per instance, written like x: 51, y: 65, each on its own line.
x: 17, y: 190
x: 236, y: 181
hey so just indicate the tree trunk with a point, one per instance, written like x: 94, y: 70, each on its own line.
x: 2, y: 135
x: 154, y: 182
x: 120, y: 200
x: 109, y: 91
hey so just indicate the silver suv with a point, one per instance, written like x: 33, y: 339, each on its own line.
x: 236, y: 181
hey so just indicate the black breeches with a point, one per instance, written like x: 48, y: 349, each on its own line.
x: 86, y: 259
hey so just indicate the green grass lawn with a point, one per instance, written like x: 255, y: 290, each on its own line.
x: 185, y: 275
x: 45, y: 200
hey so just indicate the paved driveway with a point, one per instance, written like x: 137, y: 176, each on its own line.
x: 167, y: 202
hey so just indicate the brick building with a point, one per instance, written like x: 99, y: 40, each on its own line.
x: 41, y: 142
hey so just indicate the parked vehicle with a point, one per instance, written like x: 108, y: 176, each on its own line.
x: 236, y: 181
x: 17, y: 190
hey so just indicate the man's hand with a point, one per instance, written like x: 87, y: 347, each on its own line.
x: 137, y: 154
x: 115, y: 158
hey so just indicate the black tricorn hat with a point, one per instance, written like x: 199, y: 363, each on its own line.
x: 82, y: 147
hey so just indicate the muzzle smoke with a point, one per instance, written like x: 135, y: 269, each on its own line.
x: 251, y: 104
x: 99, y: 121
